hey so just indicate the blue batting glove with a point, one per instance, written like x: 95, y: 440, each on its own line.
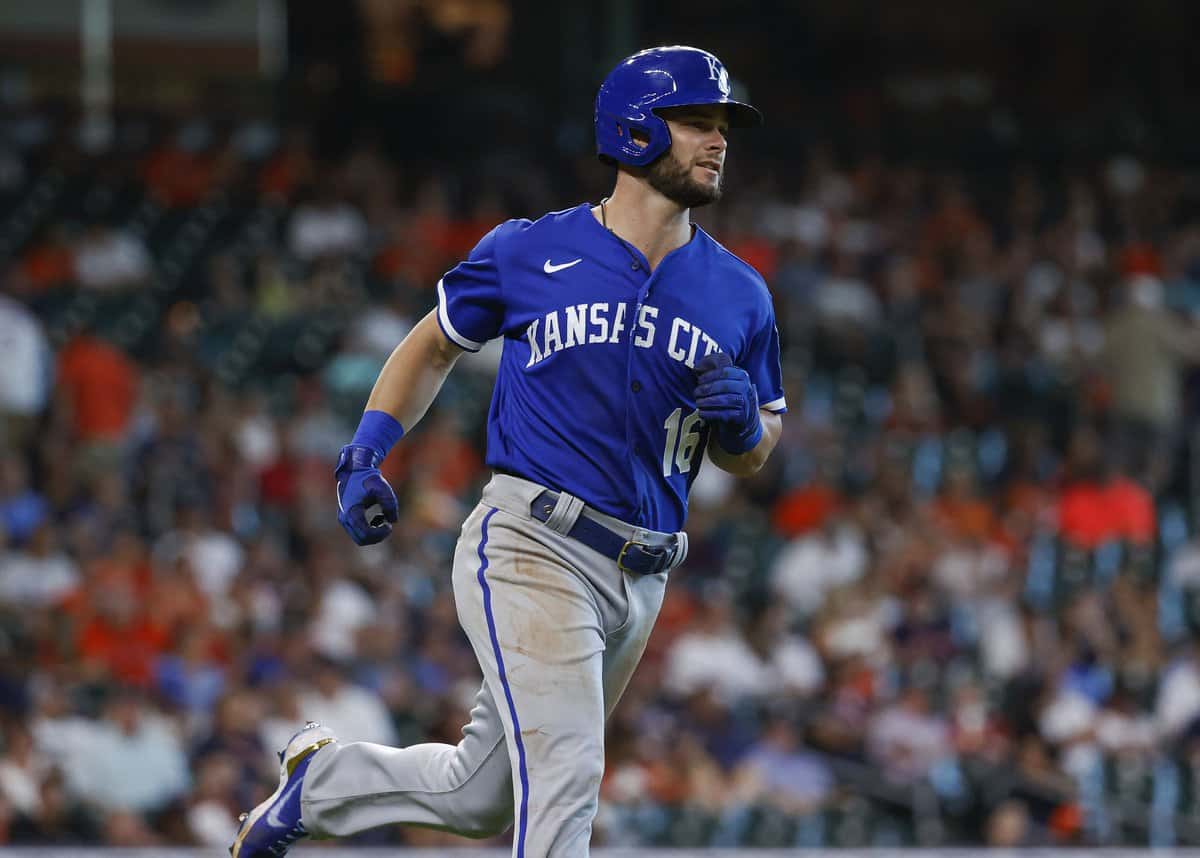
x: 727, y: 399
x: 359, y: 487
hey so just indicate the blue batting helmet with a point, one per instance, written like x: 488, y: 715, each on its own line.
x: 659, y: 77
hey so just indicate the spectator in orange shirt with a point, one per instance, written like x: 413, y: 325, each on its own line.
x: 289, y: 168
x: 99, y: 385
x: 952, y: 223
x: 960, y: 508
x: 745, y: 240
x: 48, y: 263
x: 1095, y: 505
x: 1132, y: 509
x: 121, y: 642
x: 186, y: 168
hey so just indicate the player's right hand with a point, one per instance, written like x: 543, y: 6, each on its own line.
x: 360, y: 486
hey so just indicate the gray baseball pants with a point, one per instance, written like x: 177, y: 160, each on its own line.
x: 558, y: 630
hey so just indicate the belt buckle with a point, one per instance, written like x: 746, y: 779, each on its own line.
x: 658, y: 554
x: 621, y: 557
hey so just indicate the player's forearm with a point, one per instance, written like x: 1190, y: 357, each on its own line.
x: 414, y: 373
x: 750, y: 462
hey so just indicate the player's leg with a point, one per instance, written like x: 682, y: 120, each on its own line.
x: 464, y: 788
x: 538, y: 634
x: 330, y: 789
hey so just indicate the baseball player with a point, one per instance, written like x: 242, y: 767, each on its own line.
x: 632, y: 343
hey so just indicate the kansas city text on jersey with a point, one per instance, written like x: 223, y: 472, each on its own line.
x: 604, y: 322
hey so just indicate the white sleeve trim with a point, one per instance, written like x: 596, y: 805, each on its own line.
x: 775, y: 404
x: 459, y: 339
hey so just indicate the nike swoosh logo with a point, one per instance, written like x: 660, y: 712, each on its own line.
x: 550, y: 268
x: 273, y: 819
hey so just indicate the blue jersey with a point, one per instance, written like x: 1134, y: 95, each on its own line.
x: 595, y: 390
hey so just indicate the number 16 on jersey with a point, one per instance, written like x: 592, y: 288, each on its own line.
x: 683, y: 437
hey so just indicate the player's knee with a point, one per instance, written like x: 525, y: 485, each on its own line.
x: 487, y: 818
x: 582, y: 789
x: 590, y: 772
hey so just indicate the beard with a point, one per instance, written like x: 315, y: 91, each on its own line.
x: 674, y: 181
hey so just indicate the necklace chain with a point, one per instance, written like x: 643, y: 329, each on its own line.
x: 637, y: 263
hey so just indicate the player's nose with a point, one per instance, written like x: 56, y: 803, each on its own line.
x: 715, y: 142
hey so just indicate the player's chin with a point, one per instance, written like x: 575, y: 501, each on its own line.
x: 703, y: 193
x: 705, y: 189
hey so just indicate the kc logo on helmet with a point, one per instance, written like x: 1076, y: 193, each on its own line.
x: 717, y: 72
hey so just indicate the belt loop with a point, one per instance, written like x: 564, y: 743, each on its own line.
x: 681, y: 550
x: 566, y: 511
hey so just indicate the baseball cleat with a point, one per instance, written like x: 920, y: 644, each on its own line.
x: 272, y: 827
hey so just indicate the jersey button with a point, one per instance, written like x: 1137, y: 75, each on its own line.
x: 636, y: 387
x: 637, y: 266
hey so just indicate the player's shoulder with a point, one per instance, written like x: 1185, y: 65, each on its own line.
x: 509, y: 239
x: 495, y: 244
x: 523, y: 229
x: 504, y: 231
x: 733, y: 268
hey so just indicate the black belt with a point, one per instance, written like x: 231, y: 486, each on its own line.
x: 630, y: 556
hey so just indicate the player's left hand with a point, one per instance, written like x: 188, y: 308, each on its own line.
x: 727, y: 398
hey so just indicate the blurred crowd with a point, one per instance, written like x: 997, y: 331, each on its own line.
x: 957, y: 607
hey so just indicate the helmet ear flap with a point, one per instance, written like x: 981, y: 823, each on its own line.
x: 628, y: 140
x: 640, y: 137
